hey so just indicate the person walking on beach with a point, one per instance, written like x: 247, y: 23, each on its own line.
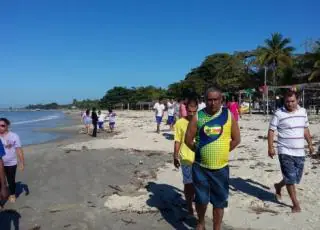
x: 101, y: 118
x: 94, y: 118
x: 216, y: 133
x: 170, y: 107
x: 112, y: 120
x: 159, y: 110
x: 3, y: 185
x: 12, y: 146
x: 180, y: 150
x: 291, y: 123
x: 86, y: 119
x: 234, y: 108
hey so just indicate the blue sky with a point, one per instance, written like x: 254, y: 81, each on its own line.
x: 63, y: 49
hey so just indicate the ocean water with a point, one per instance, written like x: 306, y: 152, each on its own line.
x: 27, y: 124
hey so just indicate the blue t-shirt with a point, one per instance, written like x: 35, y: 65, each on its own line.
x: 2, y: 151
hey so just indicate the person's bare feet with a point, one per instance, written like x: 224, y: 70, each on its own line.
x: 296, y: 209
x: 190, y: 211
x: 12, y: 199
x: 200, y: 227
x: 278, y: 191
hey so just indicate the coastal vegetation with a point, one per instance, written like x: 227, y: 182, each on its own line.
x: 274, y: 61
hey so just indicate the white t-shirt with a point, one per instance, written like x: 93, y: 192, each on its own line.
x: 101, y: 118
x: 159, y: 108
x: 201, y: 106
x: 170, y: 109
x: 112, y: 117
x: 290, y: 127
x: 10, y: 142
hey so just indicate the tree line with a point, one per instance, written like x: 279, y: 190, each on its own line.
x: 275, y: 58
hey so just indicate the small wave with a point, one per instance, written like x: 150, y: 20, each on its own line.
x: 47, y: 118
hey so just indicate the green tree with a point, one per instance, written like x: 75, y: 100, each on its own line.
x: 276, y: 53
x: 315, y: 56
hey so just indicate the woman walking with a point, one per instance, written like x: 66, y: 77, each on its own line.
x: 87, y: 120
x: 234, y: 108
x: 13, y: 157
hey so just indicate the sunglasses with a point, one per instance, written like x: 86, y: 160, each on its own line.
x: 3, y: 126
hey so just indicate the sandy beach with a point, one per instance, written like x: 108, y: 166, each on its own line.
x: 126, y: 180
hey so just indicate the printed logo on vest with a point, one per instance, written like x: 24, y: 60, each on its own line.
x: 213, y: 131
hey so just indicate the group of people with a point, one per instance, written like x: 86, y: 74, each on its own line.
x: 204, y: 137
x: 97, y: 120
x: 178, y: 109
x: 11, y: 159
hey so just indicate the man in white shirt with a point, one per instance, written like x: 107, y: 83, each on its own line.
x: 291, y: 123
x: 159, y: 110
x: 170, y: 107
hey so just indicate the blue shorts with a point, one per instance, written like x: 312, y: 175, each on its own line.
x: 291, y: 168
x: 211, y: 185
x: 158, y: 120
x: 112, y: 124
x: 170, y: 120
x: 87, y: 121
x: 100, y: 124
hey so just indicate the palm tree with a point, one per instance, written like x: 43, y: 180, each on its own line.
x: 276, y: 52
x: 316, y: 58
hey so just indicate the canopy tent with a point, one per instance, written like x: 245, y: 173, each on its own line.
x: 315, y: 86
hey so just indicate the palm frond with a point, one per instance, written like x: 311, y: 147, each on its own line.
x: 314, y: 75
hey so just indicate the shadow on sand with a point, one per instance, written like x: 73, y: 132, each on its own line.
x: 255, y: 189
x: 168, y: 200
x: 8, y: 219
x: 168, y: 136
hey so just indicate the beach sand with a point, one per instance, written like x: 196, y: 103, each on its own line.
x: 126, y: 180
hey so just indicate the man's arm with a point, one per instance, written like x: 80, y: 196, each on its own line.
x: 3, y: 185
x: 271, y: 151
x: 191, y: 133
x: 235, y: 135
x: 20, y: 154
x: 176, y: 161
x: 308, y: 138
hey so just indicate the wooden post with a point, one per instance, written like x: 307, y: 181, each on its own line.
x: 250, y: 109
x: 303, y: 98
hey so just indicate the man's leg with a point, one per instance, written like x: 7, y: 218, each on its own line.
x: 292, y: 169
x: 202, y: 193
x: 189, y: 194
x: 219, y: 193
x: 217, y: 218
x: 278, y: 187
x: 201, y: 211
x: 293, y: 195
x: 11, y: 178
x: 188, y: 186
x: 94, y: 133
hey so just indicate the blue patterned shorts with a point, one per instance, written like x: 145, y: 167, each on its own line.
x: 211, y: 185
x: 292, y: 168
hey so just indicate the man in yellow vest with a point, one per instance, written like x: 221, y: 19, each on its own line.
x: 216, y: 133
x: 183, y: 155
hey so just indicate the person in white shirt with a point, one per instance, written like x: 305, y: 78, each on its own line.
x: 170, y: 106
x: 14, y: 156
x: 101, y: 118
x: 159, y: 110
x: 291, y: 123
